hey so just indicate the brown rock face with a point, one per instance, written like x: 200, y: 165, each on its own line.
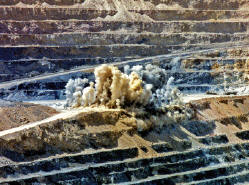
x: 89, y: 129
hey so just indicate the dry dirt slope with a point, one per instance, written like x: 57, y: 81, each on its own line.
x: 14, y: 114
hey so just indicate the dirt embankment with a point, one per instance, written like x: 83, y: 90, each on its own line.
x: 13, y: 114
x: 228, y: 114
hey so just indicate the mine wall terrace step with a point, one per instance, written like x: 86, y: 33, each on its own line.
x: 65, y: 13
x: 50, y: 94
x: 26, y: 95
x: 85, y: 60
x: 117, y: 50
x: 91, y: 39
x: 196, y: 88
x: 23, y: 68
x: 57, y: 52
x: 174, y: 162
x: 236, y: 150
x: 202, y: 88
x: 229, y: 4
x: 181, y: 79
x: 64, y: 69
x: 192, y: 60
x: 57, y: 85
x: 197, y: 64
x: 56, y: 90
x: 197, y: 175
x: 57, y: 163
x: 104, y: 174
x: 11, y: 70
x: 162, y: 169
x: 238, y: 178
x: 52, y: 27
x: 244, y: 135
x: 60, y: 94
x: 33, y: 95
x: 30, y: 52
x: 214, y: 140
x: 90, y: 137
x: 197, y: 61
x: 28, y: 91
x: 162, y: 147
x: 206, y: 140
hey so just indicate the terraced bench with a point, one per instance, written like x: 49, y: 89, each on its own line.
x: 220, y: 139
x: 173, y: 167
x: 53, y: 86
x: 103, y: 39
x: 65, y: 13
x: 69, y: 26
x: 57, y: 163
x: 217, y: 5
x: 244, y: 135
x: 17, y: 69
x: 200, y: 174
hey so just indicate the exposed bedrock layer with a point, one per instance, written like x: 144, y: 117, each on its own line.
x: 103, y: 39
x: 207, y: 4
x: 106, y: 51
x: 92, y: 129
x: 24, y: 14
x: 228, y: 111
x: 67, y: 26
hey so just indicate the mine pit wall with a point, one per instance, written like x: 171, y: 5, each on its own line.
x: 107, y: 39
x: 207, y: 4
x: 61, y: 26
x: 43, y: 37
x: 214, y: 141
x: 228, y: 115
x: 25, y: 14
x: 197, y: 75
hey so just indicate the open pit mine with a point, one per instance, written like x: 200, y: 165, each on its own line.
x: 124, y: 92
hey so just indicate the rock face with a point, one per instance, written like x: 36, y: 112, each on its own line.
x: 91, y: 129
